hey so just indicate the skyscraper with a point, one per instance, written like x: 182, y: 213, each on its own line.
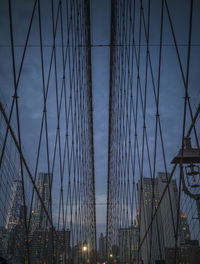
x: 162, y: 232
x: 102, y: 247
x: 150, y: 250
x: 168, y: 207
x: 39, y: 215
x: 189, y: 253
x: 15, y: 204
x: 16, y: 240
x: 128, y: 244
x: 41, y: 240
x: 62, y: 244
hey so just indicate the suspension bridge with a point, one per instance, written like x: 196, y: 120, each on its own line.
x: 47, y: 147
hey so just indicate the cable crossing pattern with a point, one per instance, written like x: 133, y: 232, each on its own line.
x: 47, y: 181
x: 153, y: 182
x: 47, y: 174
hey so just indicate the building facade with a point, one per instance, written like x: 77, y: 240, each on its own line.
x: 150, y: 249
x: 161, y: 235
x: 128, y: 244
x: 16, y: 201
x: 41, y: 237
x: 39, y: 217
x: 102, y: 247
x: 189, y: 253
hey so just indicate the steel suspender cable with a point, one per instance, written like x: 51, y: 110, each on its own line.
x: 156, y: 209
x: 65, y: 148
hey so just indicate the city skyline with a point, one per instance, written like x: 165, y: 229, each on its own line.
x: 99, y: 131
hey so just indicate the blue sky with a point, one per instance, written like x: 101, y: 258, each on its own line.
x: 100, y: 29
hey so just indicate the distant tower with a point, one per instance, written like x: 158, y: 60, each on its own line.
x: 102, y: 247
x: 39, y: 215
x: 168, y: 208
x: 41, y: 236
x: 16, y: 202
x: 150, y: 248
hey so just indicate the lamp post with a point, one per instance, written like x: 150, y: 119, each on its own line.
x: 189, y: 159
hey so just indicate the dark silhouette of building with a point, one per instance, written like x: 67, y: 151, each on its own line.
x: 41, y: 237
x: 102, y: 247
x: 17, y: 241
x: 188, y: 253
x: 39, y: 217
x: 15, y: 203
x: 161, y: 234
x: 128, y: 244
x: 2, y: 241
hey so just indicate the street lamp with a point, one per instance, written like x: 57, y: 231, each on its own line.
x: 189, y: 159
x: 110, y: 257
x: 84, y: 248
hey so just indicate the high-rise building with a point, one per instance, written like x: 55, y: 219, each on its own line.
x: 16, y: 240
x: 102, y: 247
x: 128, y: 244
x: 189, y: 253
x: 161, y: 235
x: 169, y: 211
x: 39, y: 216
x: 41, y: 236
x: 41, y: 247
x: 168, y: 207
x: 62, y: 246
x: 150, y: 250
x: 16, y: 201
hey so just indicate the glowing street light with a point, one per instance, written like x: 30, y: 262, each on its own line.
x: 84, y: 248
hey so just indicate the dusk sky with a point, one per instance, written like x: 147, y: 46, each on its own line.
x: 171, y: 94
